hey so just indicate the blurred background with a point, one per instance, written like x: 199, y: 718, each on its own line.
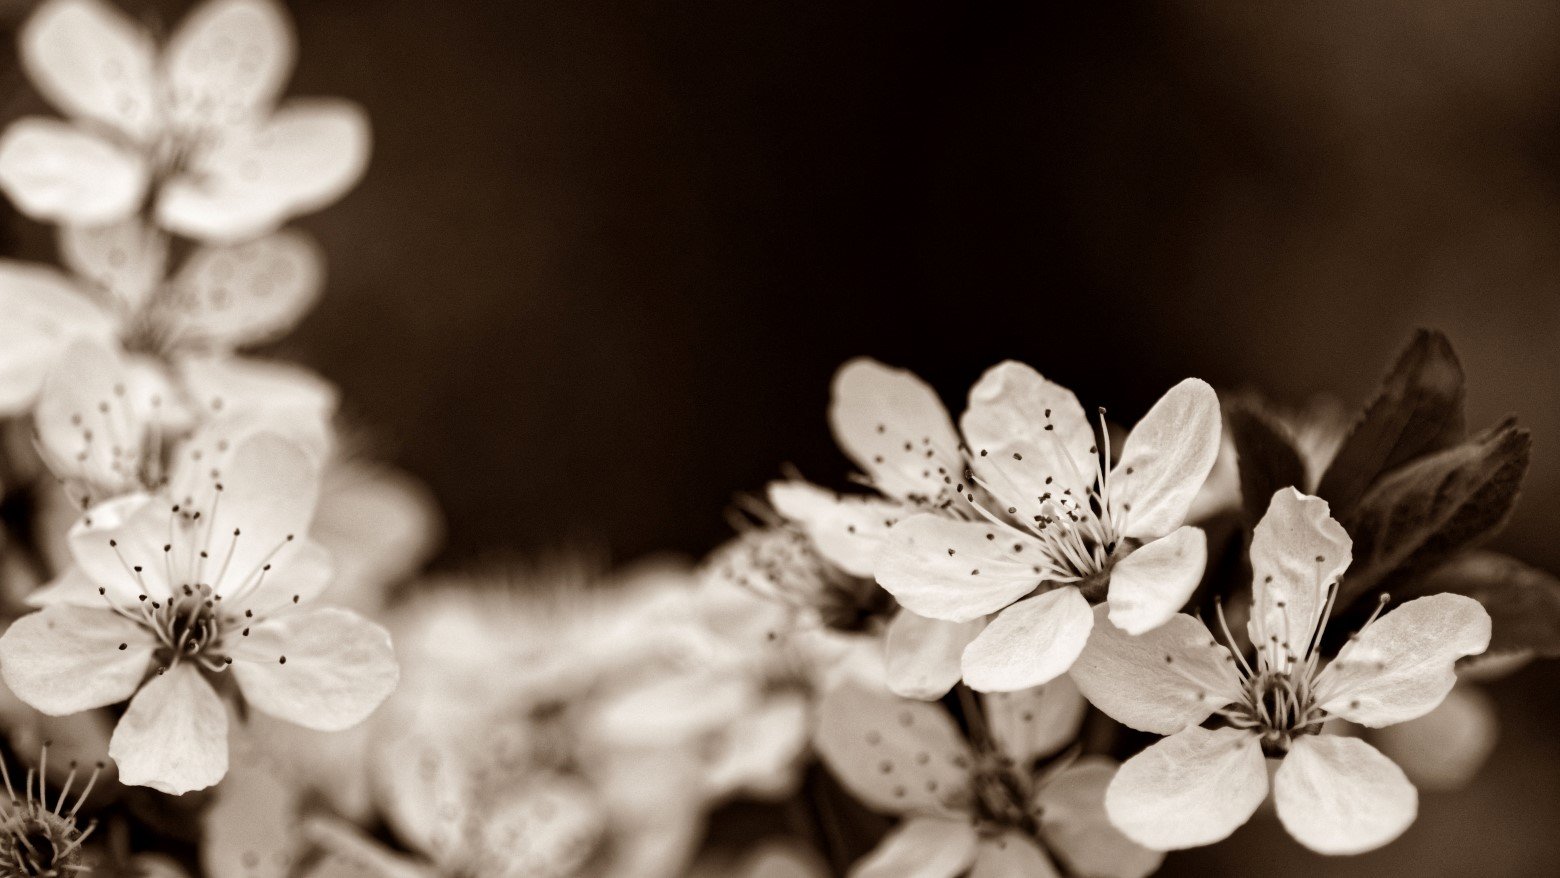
x: 609, y: 254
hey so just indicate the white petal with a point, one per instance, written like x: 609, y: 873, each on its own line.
x: 1403, y: 664
x: 1076, y: 828
x: 847, y: 530
x: 72, y: 588
x: 174, y: 736
x: 430, y: 793
x: 249, y: 394
x: 956, y: 570
x: 1297, y: 551
x: 93, y: 62
x: 758, y: 752
x: 1162, y: 681
x: 380, y: 525
x: 119, y: 544
x: 128, y: 259
x: 251, y: 830
x: 1193, y: 788
x: 925, y: 847
x: 1009, y: 855
x: 1153, y: 583
x: 339, y: 667
x: 1035, y: 723
x: 303, y: 158
x: 267, y: 496
x: 1445, y: 748
x: 228, y: 61
x: 63, y: 660
x: 888, y: 420
x: 44, y: 312
x: 1028, y: 436
x: 1032, y: 642
x: 91, y: 418
x: 55, y: 172
x: 1165, y: 461
x: 298, y: 575
x: 244, y: 294
x: 893, y: 754
x: 921, y: 655
x: 1339, y: 795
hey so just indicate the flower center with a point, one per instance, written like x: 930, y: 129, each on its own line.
x: 36, y: 840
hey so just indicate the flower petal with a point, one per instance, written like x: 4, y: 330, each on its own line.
x: 338, y: 668
x: 1339, y: 795
x: 174, y: 736
x: 44, y: 311
x: 1403, y: 664
x: 248, y: 394
x: 1032, y: 642
x: 1297, y: 551
x: 894, y: 426
x: 119, y: 544
x: 847, y: 530
x: 893, y: 754
x: 1445, y: 748
x: 63, y: 659
x: 251, y: 829
x: 55, y: 172
x: 956, y: 570
x: 244, y: 294
x: 128, y: 259
x: 266, y: 500
x: 72, y: 588
x: 921, y: 655
x: 1153, y: 583
x: 1163, y: 681
x: 1193, y: 788
x: 1032, y: 724
x: 1075, y: 827
x: 1165, y: 461
x: 307, y: 155
x: 93, y: 62
x: 379, y: 524
x: 91, y: 419
x: 924, y: 847
x: 1028, y: 436
x: 1011, y: 854
x: 228, y: 61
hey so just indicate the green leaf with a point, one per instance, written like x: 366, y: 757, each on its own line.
x: 1418, y: 515
x: 1522, y: 600
x: 1267, y: 458
x: 1417, y: 410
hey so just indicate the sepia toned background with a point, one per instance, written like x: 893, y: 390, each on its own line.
x: 609, y: 254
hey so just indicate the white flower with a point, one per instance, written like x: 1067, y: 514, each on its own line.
x: 1023, y: 517
x: 984, y: 808
x: 196, y: 123
x: 1334, y: 794
x: 170, y: 595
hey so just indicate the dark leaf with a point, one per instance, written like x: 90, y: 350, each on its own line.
x: 1420, y: 514
x: 1522, y: 600
x: 1418, y: 410
x: 1267, y: 458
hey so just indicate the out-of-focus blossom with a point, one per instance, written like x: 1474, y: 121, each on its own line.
x: 989, y: 808
x: 1334, y: 794
x: 43, y: 838
x: 768, y: 859
x: 197, y: 587
x: 194, y: 128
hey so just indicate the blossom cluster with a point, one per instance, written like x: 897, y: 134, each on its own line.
x: 1026, y: 641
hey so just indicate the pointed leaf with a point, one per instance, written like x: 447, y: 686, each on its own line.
x: 1266, y: 455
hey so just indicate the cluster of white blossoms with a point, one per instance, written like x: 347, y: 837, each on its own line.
x: 213, y: 611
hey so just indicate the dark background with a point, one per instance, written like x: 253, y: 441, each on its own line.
x: 609, y: 254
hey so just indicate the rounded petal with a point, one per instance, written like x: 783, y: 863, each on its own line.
x: 380, y: 524
x: 1035, y: 723
x: 1403, y: 664
x: 93, y: 62
x: 956, y: 570
x: 248, y: 394
x: 338, y: 668
x: 55, y: 172
x: 1193, y: 788
x: 65, y: 659
x: 1028, y: 436
x: 44, y: 312
x: 1153, y: 583
x: 1445, y: 748
x: 1009, y: 855
x: 925, y: 847
x: 921, y: 656
x: 228, y: 61
x: 1163, y: 681
x: 297, y: 576
x: 894, y: 426
x: 244, y: 294
x: 252, y: 828
x: 174, y: 736
x: 119, y: 545
x: 1032, y: 642
x: 265, y: 502
x: 307, y: 155
x: 1339, y: 795
x: 893, y: 754
x: 848, y: 531
x: 1165, y: 461
x: 128, y: 259
x: 91, y: 418
x: 1076, y: 828
x: 1297, y: 551
x: 73, y: 588
x: 430, y: 789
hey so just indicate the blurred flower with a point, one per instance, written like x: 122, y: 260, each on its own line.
x: 196, y: 123
x: 40, y: 839
x: 1334, y: 794
x: 193, y: 588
